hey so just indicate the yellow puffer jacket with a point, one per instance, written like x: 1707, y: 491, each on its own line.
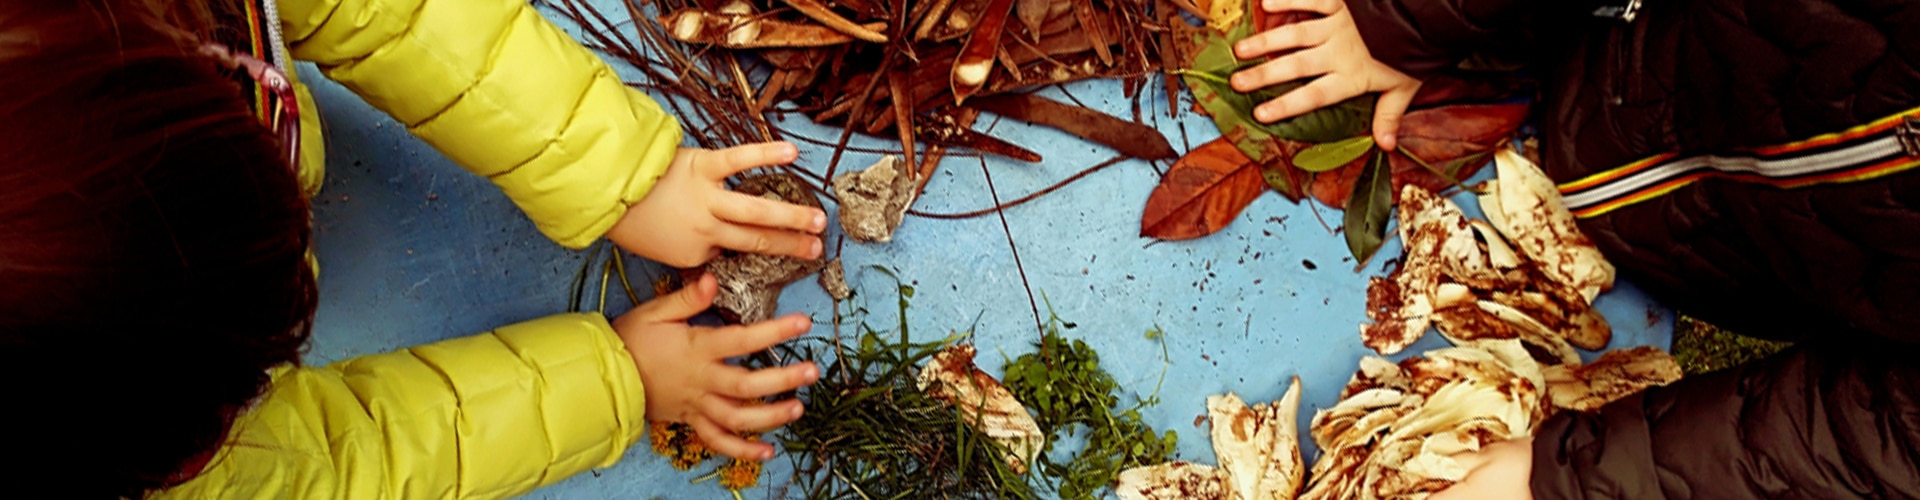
x: 509, y: 96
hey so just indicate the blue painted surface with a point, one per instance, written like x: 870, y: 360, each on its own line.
x: 414, y: 250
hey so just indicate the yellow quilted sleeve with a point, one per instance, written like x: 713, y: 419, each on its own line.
x: 487, y: 416
x: 503, y: 92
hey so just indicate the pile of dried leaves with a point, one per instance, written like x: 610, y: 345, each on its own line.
x: 1454, y: 123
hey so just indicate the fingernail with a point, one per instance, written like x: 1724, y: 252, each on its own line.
x: 813, y: 374
x: 818, y: 248
x: 803, y: 323
x: 797, y: 410
x: 819, y: 221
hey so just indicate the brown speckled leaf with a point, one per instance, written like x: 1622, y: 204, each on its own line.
x: 1202, y: 193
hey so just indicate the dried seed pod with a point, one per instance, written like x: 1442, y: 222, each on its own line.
x: 746, y: 31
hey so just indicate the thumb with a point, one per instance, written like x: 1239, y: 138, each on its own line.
x: 1386, y: 116
x: 681, y: 304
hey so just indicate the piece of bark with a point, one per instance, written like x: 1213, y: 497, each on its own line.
x: 833, y: 279
x: 875, y: 200
x: 750, y: 284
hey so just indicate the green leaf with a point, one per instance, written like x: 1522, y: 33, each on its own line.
x: 1331, y: 155
x: 1368, y: 208
x: 1207, y: 77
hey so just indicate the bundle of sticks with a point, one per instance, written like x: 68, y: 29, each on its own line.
x: 932, y: 65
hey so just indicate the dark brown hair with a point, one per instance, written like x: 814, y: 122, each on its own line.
x: 152, y: 249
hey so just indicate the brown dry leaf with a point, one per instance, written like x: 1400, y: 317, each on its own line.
x: 1202, y: 193
x: 1440, y: 136
x: 1132, y: 139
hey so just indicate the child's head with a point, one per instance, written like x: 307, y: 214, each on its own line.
x: 152, y: 248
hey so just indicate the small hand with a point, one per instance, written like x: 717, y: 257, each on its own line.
x: 1331, y: 49
x: 690, y: 214
x: 687, y: 378
x: 1500, y: 470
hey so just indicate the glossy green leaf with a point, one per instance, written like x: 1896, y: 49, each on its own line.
x: 1331, y: 155
x: 1368, y: 208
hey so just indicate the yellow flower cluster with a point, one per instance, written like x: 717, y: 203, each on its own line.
x: 678, y: 442
x: 739, y: 474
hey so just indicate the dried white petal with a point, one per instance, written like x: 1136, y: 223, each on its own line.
x: 1540, y: 226
x: 1171, y: 481
x: 952, y: 377
x: 1617, y: 374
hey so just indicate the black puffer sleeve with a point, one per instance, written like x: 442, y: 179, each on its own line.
x: 1815, y: 421
x: 1423, y: 37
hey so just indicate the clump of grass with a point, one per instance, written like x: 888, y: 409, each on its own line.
x: 1063, y: 382
x: 869, y: 432
x: 1701, y: 347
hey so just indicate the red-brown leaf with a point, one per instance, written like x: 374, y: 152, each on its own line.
x: 1279, y: 153
x: 1439, y: 136
x: 1202, y: 193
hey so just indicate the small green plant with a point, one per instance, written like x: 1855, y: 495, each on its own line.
x: 1064, y: 384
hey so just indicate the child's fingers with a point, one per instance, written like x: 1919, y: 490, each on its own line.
x: 1317, y: 94
x: 766, y: 241
x: 738, y: 158
x: 726, y: 443
x: 1302, y: 64
x: 1327, y: 7
x: 740, y: 383
x: 741, y: 340
x: 1302, y: 34
x: 682, y: 304
x: 758, y: 211
x: 1386, y: 116
x: 730, y: 414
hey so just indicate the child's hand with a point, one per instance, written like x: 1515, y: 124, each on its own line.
x: 1330, y: 48
x: 687, y: 377
x: 690, y: 215
x: 1500, y: 470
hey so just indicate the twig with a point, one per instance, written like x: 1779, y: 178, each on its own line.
x: 1016, y: 250
x: 1000, y: 207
